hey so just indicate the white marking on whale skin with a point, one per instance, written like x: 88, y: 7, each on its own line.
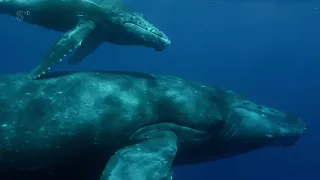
x: 8, y: 133
x: 56, y: 62
x: 61, y: 94
x: 227, y: 122
x: 237, y: 129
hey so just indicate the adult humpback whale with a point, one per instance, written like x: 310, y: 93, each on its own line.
x: 86, y: 25
x: 126, y: 126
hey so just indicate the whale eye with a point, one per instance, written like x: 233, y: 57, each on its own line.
x: 245, y: 103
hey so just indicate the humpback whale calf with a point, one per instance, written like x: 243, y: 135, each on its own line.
x: 127, y: 125
x: 86, y: 25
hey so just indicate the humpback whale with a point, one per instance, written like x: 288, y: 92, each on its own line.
x: 117, y: 125
x: 86, y: 24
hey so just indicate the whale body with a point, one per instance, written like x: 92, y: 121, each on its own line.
x: 127, y: 125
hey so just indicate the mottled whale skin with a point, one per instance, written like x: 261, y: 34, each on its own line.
x: 86, y: 24
x: 127, y: 125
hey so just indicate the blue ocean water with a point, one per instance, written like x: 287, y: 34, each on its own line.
x: 266, y: 51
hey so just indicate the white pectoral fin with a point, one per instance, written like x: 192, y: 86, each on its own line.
x: 69, y: 41
x: 151, y: 159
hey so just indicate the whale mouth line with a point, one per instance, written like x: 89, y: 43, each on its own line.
x: 259, y: 111
x: 141, y: 29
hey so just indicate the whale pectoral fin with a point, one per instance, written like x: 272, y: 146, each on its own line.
x: 88, y: 46
x: 70, y: 40
x: 149, y: 159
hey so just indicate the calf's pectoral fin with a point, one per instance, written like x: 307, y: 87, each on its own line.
x: 149, y: 159
x: 88, y: 46
x: 69, y: 41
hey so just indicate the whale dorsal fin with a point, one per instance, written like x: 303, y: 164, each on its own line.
x: 69, y: 41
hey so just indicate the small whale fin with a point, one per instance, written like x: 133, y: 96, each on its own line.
x: 70, y: 40
x: 88, y: 46
x: 151, y: 158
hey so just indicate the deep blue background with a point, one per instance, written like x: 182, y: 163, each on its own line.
x: 267, y: 52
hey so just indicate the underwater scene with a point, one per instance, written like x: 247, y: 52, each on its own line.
x: 159, y: 89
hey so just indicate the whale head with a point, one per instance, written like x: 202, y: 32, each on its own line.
x: 137, y: 30
x: 234, y: 126
x: 257, y: 126
x: 246, y: 126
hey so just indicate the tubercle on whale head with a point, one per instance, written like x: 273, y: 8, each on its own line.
x: 249, y: 122
x: 142, y: 32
